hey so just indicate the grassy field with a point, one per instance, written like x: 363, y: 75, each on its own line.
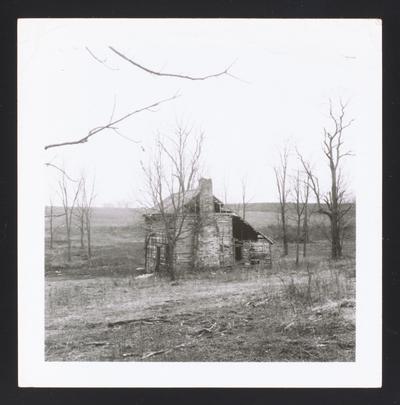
x: 99, y: 310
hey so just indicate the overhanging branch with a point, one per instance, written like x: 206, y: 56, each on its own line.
x: 180, y: 76
x: 112, y: 124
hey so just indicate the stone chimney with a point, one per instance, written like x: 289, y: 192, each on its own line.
x: 206, y: 199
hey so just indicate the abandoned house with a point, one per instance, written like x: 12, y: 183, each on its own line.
x: 212, y: 235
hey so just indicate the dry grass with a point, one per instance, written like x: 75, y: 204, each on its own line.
x: 283, y: 314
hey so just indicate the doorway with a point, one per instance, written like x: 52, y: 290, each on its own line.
x: 238, y: 253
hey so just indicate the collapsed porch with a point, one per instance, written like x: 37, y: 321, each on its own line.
x: 250, y: 246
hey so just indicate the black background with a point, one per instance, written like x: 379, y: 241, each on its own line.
x: 10, y: 11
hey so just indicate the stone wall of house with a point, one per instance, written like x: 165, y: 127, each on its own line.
x: 246, y: 247
x: 207, y: 241
x: 213, y: 245
x: 256, y: 251
x: 226, y: 247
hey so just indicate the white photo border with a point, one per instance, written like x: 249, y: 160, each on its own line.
x: 34, y: 371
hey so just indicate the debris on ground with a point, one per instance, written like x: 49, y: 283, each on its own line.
x: 148, y: 321
x: 96, y: 343
x: 347, y: 303
x: 328, y: 307
x: 144, y: 276
x: 150, y: 354
x: 203, y: 331
x: 165, y: 351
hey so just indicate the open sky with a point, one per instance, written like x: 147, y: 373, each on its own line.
x: 287, y: 70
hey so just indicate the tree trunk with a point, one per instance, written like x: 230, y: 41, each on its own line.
x: 146, y: 245
x: 284, y: 233
x: 305, y: 229
x: 89, y: 241
x: 82, y: 229
x: 336, y: 251
x: 68, y: 230
x: 298, y: 240
x: 171, y: 261
x: 51, y: 227
x: 68, y: 245
x: 336, y: 248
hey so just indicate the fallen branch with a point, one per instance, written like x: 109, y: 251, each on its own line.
x: 142, y: 320
x: 307, y: 352
x: 96, y: 343
x: 289, y: 325
x: 262, y: 302
x: 256, y: 304
x: 151, y: 354
x: 202, y: 331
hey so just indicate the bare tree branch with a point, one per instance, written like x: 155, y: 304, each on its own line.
x: 180, y: 76
x: 62, y: 171
x: 283, y: 191
x: 103, y: 62
x: 110, y: 125
x: 124, y: 136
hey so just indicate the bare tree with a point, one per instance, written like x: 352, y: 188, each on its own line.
x: 51, y: 223
x: 306, y: 195
x: 80, y: 216
x: 84, y: 212
x: 333, y: 203
x: 171, y: 173
x: 300, y: 192
x: 283, y: 192
x: 88, y: 198
x: 52, y: 215
x: 68, y: 205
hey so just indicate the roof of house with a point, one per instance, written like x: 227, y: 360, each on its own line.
x: 233, y: 213
x: 168, y: 203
